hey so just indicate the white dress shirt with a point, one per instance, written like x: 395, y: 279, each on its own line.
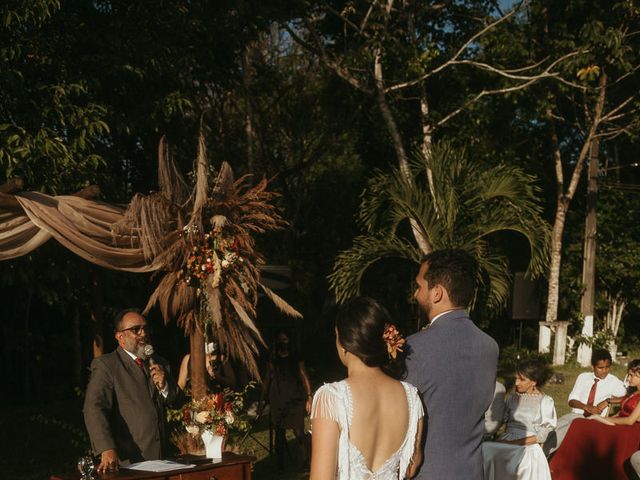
x: 609, y: 386
x: 441, y: 314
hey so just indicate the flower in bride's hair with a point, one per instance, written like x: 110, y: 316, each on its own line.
x: 393, y: 339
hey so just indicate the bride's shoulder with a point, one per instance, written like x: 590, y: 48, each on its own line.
x: 333, y: 389
x: 411, y: 390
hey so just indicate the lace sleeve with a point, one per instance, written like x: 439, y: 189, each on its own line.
x: 325, y: 403
x: 548, y: 419
x: 416, y: 412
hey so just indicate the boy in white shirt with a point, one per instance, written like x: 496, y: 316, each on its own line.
x: 591, y: 395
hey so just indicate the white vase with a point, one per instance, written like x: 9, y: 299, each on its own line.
x: 212, y: 444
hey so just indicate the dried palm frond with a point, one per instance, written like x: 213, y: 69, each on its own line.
x: 172, y: 223
x: 170, y: 181
x: 282, y: 305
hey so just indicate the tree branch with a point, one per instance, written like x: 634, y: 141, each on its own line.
x: 478, y: 96
x: 607, y: 117
x: 324, y: 57
x: 557, y: 156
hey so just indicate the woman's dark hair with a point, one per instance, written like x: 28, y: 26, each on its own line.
x: 360, y: 324
x: 634, y: 366
x: 536, y: 370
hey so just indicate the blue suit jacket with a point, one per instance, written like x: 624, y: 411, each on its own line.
x: 453, y: 365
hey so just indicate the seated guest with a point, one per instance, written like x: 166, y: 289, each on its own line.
x: 220, y: 373
x: 590, y: 396
x: 494, y: 415
x: 529, y: 415
x: 596, y: 447
x: 124, y: 405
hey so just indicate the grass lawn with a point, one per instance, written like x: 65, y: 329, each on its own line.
x: 37, y: 441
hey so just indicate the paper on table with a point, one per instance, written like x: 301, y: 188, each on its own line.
x: 158, y: 466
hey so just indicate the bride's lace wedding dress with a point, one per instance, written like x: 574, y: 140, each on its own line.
x: 334, y: 401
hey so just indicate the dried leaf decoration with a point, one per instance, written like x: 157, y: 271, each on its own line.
x: 203, y: 241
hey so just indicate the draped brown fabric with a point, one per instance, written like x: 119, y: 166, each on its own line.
x: 162, y: 231
x: 83, y: 226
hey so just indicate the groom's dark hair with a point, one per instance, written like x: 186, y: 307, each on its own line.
x: 455, y: 270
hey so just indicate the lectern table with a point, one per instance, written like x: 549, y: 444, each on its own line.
x: 231, y: 467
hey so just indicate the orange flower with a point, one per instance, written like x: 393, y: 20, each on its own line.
x: 393, y: 339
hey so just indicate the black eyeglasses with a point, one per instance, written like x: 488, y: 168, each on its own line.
x: 136, y: 329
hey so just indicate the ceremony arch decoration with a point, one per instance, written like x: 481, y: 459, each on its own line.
x: 200, y: 240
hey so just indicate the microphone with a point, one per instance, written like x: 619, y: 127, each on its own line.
x: 148, y: 352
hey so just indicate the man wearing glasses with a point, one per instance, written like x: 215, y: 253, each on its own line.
x: 125, y: 399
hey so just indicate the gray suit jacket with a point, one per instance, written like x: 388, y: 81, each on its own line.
x: 453, y: 365
x: 124, y: 410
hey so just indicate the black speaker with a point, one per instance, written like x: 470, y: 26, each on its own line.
x: 525, y: 302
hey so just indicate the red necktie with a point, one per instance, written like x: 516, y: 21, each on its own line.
x: 592, y: 394
x: 141, y: 365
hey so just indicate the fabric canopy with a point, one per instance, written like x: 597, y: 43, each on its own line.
x: 83, y: 226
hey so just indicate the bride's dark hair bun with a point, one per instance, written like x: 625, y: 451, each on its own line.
x: 361, y: 324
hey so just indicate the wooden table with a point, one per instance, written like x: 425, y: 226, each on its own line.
x: 231, y: 467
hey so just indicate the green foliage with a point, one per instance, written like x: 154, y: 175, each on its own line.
x: 600, y: 339
x: 50, y: 125
x: 468, y: 205
x: 617, y: 255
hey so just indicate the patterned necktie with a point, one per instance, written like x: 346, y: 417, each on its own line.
x: 592, y: 394
x: 139, y: 363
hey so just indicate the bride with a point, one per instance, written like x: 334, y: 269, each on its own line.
x: 369, y: 425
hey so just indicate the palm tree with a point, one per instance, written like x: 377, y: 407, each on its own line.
x: 465, y: 208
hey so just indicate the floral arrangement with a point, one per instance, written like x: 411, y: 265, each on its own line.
x: 221, y: 413
x: 207, y: 261
x: 393, y: 339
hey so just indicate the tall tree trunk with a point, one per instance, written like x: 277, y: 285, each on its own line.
x: 563, y: 202
x: 544, y: 340
x: 401, y: 154
x: 587, y: 302
x: 248, y: 112
x: 197, y: 358
x: 427, y: 143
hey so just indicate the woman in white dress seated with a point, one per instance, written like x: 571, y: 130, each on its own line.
x: 369, y: 425
x: 529, y: 415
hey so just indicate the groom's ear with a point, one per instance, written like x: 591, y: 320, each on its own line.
x: 438, y: 293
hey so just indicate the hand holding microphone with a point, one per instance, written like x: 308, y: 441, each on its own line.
x: 155, y: 369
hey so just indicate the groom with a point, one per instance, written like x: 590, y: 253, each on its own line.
x: 453, y: 365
